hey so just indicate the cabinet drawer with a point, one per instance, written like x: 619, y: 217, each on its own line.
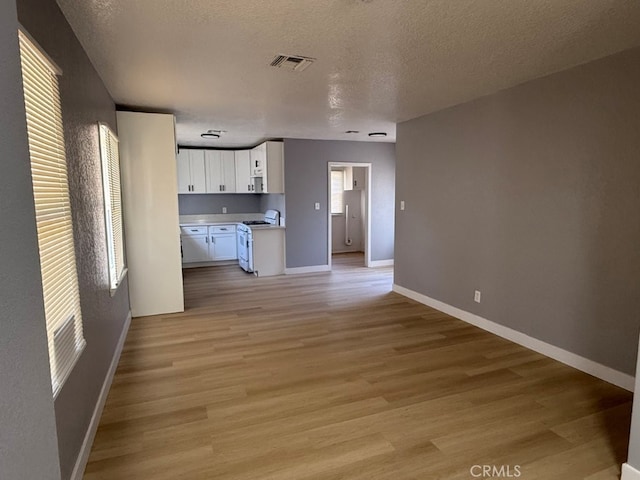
x: 193, y: 230
x: 222, y: 229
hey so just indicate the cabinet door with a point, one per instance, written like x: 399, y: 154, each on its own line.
x: 274, y: 179
x: 359, y: 178
x: 228, y: 164
x: 184, y: 171
x: 224, y: 247
x: 213, y: 162
x: 198, y: 179
x: 195, y: 248
x: 244, y: 184
x: 259, y: 160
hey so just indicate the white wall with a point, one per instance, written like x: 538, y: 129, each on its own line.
x: 353, y: 198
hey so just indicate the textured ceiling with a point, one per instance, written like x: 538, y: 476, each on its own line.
x: 378, y: 61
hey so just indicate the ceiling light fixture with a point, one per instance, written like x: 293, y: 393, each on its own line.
x: 377, y: 134
x: 210, y: 135
x: 352, y: 131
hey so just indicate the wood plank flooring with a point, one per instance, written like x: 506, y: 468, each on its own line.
x: 332, y: 376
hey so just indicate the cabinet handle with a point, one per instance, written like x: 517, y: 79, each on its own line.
x: 249, y: 188
x: 213, y: 240
x: 206, y: 239
x: 220, y: 187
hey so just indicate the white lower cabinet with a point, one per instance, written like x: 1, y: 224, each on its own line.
x: 223, y: 242
x: 195, y: 248
x: 208, y: 243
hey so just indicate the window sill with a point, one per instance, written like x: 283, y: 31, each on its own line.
x: 114, y: 290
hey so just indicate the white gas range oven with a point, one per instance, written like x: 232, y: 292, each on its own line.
x: 261, y: 245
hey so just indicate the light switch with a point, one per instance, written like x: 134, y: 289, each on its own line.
x: 401, y: 204
x: 317, y: 206
x: 224, y: 209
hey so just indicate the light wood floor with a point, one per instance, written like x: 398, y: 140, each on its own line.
x: 332, y: 376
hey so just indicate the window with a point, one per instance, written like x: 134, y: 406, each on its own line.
x: 112, y: 204
x: 53, y: 212
x: 337, y: 192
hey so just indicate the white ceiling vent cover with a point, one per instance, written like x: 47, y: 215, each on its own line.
x: 292, y: 62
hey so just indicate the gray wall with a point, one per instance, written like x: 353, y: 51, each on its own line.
x: 306, y: 182
x: 28, y: 445
x: 273, y: 201
x: 531, y: 195
x: 194, y: 204
x: 85, y: 101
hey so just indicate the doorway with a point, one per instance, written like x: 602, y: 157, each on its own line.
x: 349, y: 222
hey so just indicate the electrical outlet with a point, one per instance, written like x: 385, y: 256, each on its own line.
x: 401, y: 204
x: 317, y: 206
x: 477, y: 296
x: 224, y: 209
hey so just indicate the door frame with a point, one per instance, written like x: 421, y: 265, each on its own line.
x: 367, y: 210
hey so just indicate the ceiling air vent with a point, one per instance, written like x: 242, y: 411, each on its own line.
x: 292, y: 62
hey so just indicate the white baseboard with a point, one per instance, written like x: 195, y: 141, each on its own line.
x: 629, y: 473
x: 310, y: 269
x: 603, y: 372
x: 381, y: 263
x: 85, y: 450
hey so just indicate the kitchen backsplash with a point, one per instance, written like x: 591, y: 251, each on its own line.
x: 196, y: 204
x: 220, y: 218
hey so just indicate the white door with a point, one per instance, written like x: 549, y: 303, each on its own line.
x: 184, y: 171
x: 195, y: 248
x: 196, y: 163
x: 243, y: 171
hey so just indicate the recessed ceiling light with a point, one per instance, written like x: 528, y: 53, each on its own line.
x: 352, y: 131
x: 211, y: 134
x: 377, y: 134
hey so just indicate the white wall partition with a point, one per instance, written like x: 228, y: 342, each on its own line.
x: 150, y: 201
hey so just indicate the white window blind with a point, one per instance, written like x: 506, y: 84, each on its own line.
x: 53, y: 212
x: 112, y: 204
x: 337, y: 191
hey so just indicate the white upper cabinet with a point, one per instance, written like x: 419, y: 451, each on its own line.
x: 244, y: 182
x: 267, y: 167
x: 275, y: 167
x: 191, y: 178
x: 259, y: 170
x: 355, y: 178
x: 220, y: 171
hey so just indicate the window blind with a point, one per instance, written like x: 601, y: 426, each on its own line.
x: 112, y: 204
x: 337, y: 191
x: 53, y: 212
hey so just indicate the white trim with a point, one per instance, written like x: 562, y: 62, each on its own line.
x: 85, y: 449
x: 603, y: 372
x: 629, y: 473
x: 381, y: 263
x: 310, y: 269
